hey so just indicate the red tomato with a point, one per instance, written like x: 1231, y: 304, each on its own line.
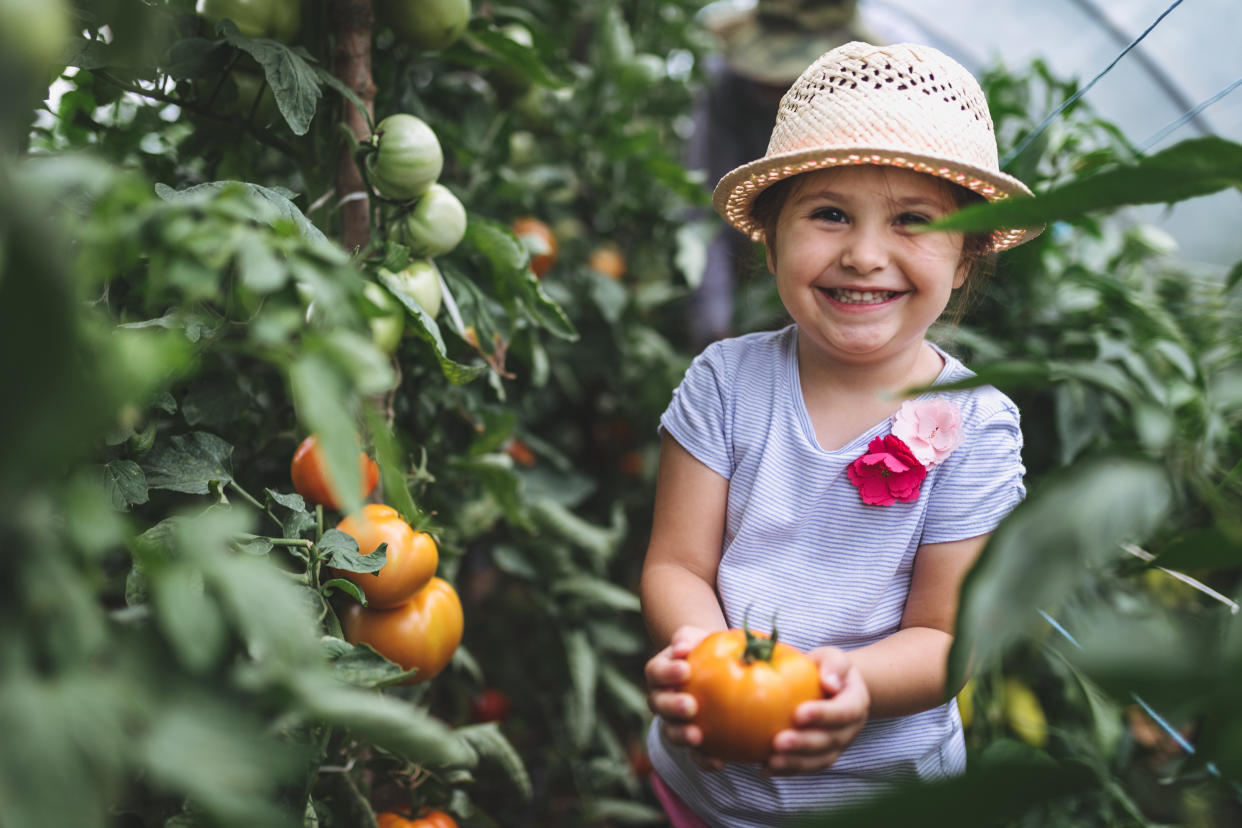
x: 422, y: 633
x: 411, y: 560
x: 310, y: 475
x: 747, y: 687
x: 491, y: 705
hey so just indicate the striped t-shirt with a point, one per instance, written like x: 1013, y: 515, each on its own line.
x: 800, y: 544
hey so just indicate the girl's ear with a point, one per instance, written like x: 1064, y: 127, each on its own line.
x: 769, y: 253
x: 963, y: 270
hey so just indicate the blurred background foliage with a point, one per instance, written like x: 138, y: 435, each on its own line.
x: 178, y: 315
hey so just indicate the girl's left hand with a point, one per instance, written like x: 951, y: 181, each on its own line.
x: 824, y: 728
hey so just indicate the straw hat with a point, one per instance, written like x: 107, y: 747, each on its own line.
x: 772, y: 41
x: 906, y: 105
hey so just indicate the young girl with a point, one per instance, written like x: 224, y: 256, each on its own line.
x: 797, y: 484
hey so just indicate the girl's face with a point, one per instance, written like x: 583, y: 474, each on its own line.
x: 852, y: 270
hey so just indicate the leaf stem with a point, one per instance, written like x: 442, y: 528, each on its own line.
x: 249, y: 498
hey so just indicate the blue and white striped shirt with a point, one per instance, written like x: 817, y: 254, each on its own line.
x: 800, y: 544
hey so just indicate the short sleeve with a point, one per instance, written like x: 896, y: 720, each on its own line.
x: 697, y: 416
x: 980, y: 483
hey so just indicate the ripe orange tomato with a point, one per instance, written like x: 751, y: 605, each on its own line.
x: 421, y: 633
x: 412, y: 556
x: 539, y: 240
x: 747, y: 687
x: 310, y: 475
x: 429, y: 819
x: 608, y: 260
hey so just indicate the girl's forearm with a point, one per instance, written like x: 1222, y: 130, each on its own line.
x: 905, y: 672
x: 674, y: 597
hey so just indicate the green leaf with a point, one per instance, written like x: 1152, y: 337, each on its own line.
x: 340, y: 551
x: 125, y: 484
x: 490, y: 744
x: 426, y: 329
x: 600, y: 542
x: 326, y: 77
x: 321, y: 393
x: 516, y: 284
x: 1043, y: 549
x: 189, y: 463
x: 390, y: 723
x: 606, y: 811
x: 294, y: 82
x: 392, y: 460
x: 583, y: 666
x: 997, y: 793
x: 630, y: 695
x: 597, y: 591
x: 189, y: 618
x: 1196, y: 167
x: 348, y: 587
x: 257, y: 267
x: 1207, y: 548
x: 270, y: 203
x: 360, y: 665
x: 516, y: 56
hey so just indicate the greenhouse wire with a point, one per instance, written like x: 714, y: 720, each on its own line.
x: 1155, y: 716
x: 1189, y: 116
x: 1038, y: 130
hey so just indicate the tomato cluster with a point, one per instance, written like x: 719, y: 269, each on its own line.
x: 411, y: 617
x: 429, y: 819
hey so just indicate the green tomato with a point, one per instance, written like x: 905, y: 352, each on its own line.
x: 426, y: 24
x: 275, y: 19
x: 420, y: 281
x: 385, y: 316
x: 407, y: 158
x: 436, y: 224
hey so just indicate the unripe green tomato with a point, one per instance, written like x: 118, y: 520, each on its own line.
x: 420, y: 281
x: 386, y: 317
x: 426, y: 24
x: 275, y: 19
x: 407, y: 159
x: 436, y: 224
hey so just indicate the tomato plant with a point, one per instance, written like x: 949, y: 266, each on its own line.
x: 747, y: 686
x: 421, y: 633
x: 412, y: 556
x: 277, y: 19
x: 310, y: 474
x: 405, y: 157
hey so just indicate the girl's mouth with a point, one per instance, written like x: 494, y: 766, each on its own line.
x: 847, y: 296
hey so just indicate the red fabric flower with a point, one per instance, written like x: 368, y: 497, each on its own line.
x: 887, y: 473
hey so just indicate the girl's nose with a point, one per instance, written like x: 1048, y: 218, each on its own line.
x: 864, y: 251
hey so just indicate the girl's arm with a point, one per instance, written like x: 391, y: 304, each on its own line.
x: 906, y: 671
x: 679, y: 573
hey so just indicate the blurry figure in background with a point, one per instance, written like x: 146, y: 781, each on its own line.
x: 764, y: 46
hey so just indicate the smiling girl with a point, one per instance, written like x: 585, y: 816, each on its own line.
x: 795, y: 478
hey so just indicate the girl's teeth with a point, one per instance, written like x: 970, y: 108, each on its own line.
x: 861, y: 297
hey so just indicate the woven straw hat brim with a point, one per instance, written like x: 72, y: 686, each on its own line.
x: 736, y: 192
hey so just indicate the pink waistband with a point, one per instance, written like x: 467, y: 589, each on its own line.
x: 679, y: 813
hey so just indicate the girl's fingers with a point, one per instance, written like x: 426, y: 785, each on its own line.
x: 672, y: 705
x: 681, y: 733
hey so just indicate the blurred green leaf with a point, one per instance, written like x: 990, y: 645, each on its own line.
x: 1042, y: 551
x: 492, y: 746
x: 583, y: 664
x: 1195, y: 167
x: 361, y: 666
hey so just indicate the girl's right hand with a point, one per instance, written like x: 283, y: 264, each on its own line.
x: 667, y: 673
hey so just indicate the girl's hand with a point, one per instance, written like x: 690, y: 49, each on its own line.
x: 667, y: 673
x: 825, y: 728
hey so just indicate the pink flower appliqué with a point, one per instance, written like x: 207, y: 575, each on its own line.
x: 887, y: 473
x: 931, y: 428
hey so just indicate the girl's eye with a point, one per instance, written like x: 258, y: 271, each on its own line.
x: 828, y: 214
x: 913, y: 218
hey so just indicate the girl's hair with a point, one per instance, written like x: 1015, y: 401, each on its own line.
x: 977, y: 253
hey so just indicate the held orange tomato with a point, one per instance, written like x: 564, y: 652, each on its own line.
x: 421, y: 633
x: 747, y: 686
x: 310, y: 475
x: 412, y: 556
x: 429, y: 819
x: 539, y: 240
